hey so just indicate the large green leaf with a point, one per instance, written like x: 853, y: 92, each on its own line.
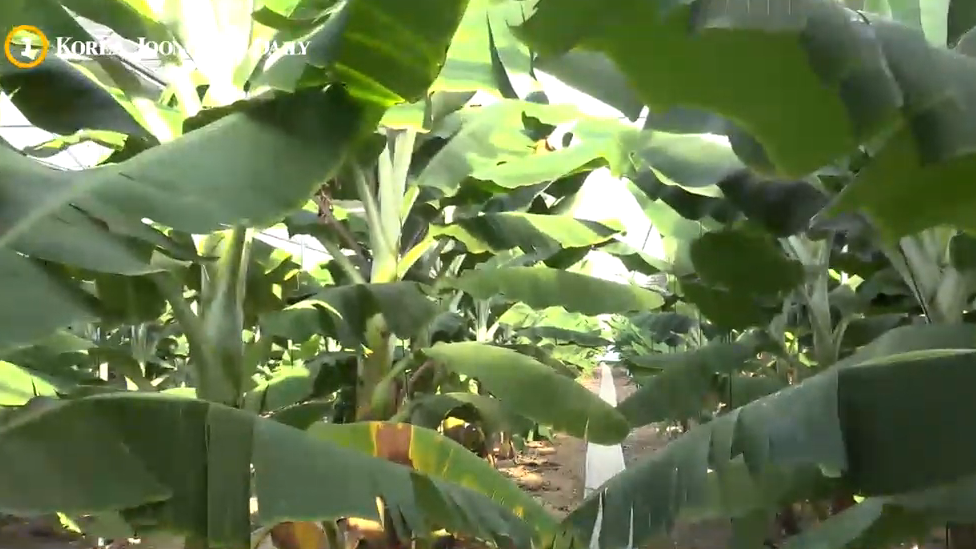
x: 534, y: 390
x: 730, y: 309
x: 437, y: 456
x: 842, y: 77
x: 18, y: 385
x: 217, y: 175
x: 58, y: 97
x: 385, y: 51
x: 430, y: 410
x: 678, y: 392
x: 541, y: 287
x: 727, y: 40
x: 885, y: 420
x: 54, y: 300
x: 745, y: 261
x: 545, y: 234
x: 596, y: 76
x: 74, y: 238
x: 492, y: 137
x: 51, y: 17
x: 194, y: 459
x: 342, y: 312
x: 481, y: 52
x: 583, y: 339
x: 895, y: 188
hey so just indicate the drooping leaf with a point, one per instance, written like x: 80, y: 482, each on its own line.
x: 489, y: 140
x: 729, y: 309
x: 86, y: 455
x: 211, y: 177
x: 596, y: 76
x: 531, y: 232
x: 18, y: 385
x: 847, y: 421
x: 55, y: 300
x: 58, y: 97
x: 692, y: 161
x: 433, y: 454
x: 583, y: 339
x: 342, y: 311
x: 384, y: 51
x: 534, y: 390
x: 430, y: 410
x: 288, y: 386
x: 304, y: 414
x: 72, y: 237
x: 678, y: 392
x: 783, y: 208
x: 541, y: 287
x: 743, y: 261
x: 808, y: 46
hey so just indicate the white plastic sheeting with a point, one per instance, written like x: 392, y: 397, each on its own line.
x: 604, y: 462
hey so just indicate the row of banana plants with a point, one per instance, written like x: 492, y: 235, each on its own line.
x: 165, y: 371
x: 820, y: 326
x: 411, y: 213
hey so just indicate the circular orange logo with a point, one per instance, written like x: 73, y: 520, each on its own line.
x: 38, y: 48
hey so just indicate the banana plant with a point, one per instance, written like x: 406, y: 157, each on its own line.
x: 308, y: 133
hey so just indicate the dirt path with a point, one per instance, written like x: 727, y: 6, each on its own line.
x: 41, y: 533
x: 553, y: 474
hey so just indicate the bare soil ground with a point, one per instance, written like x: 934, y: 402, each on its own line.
x: 552, y: 472
x: 41, y: 533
